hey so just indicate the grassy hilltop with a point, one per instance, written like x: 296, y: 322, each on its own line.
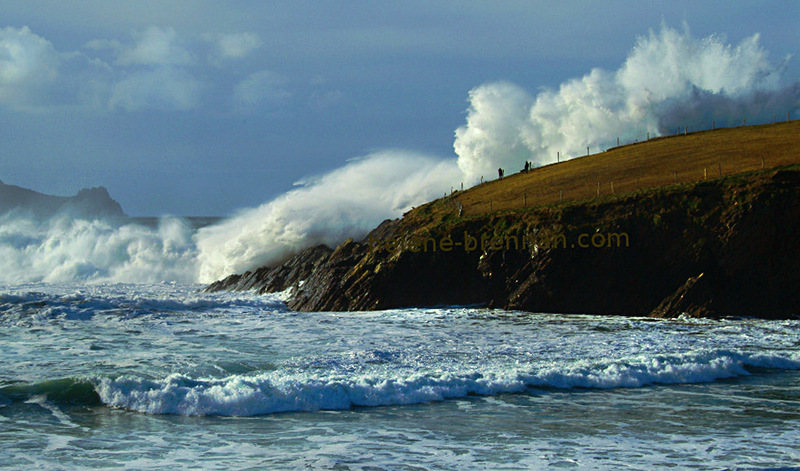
x: 650, y: 164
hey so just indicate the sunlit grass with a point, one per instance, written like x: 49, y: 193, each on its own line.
x: 652, y: 164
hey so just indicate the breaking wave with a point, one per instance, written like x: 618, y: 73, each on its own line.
x: 282, y: 391
x: 65, y: 249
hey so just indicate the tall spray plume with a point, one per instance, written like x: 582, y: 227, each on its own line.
x: 669, y: 80
x: 347, y: 202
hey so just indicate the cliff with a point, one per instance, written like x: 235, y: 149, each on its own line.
x: 724, y: 247
x: 92, y: 202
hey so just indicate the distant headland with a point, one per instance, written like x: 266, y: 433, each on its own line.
x: 88, y: 203
x: 704, y: 224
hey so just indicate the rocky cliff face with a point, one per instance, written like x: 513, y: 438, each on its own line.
x: 721, y: 248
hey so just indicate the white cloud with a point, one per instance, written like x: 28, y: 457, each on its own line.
x: 163, y: 88
x: 232, y: 46
x: 156, y: 46
x: 27, y: 63
x: 261, y: 88
x: 104, y: 44
x: 35, y: 77
x: 155, y: 69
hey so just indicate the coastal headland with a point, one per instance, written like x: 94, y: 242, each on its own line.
x: 704, y: 224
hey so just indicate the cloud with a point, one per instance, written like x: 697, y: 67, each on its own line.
x: 25, y: 56
x: 163, y: 78
x: 28, y: 63
x: 163, y: 88
x: 261, y: 88
x: 156, y: 46
x: 325, y: 99
x: 232, y: 46
x: 155, y: 69
x: 35, y: 77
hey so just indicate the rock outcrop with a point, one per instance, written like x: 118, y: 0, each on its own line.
x: 727, y: 247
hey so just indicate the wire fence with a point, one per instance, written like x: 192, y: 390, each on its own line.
x: 602, y: 184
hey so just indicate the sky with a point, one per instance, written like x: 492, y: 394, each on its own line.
x: 203, y: 108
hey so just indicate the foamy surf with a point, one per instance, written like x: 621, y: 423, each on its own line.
x: 156, y: 365
x: 281, y: 392
x: 293, y: 391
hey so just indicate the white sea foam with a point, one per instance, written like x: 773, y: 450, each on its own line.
x: 66, y: 249
x: 328, y: 209
x: 585, y: 390
x: 43, y: 302
x: 283, y: 391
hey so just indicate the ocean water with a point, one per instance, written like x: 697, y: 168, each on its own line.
x: 160, y: 376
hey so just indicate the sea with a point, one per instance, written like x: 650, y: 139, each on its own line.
x: 157, y: 375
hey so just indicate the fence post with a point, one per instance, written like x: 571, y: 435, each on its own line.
x: 705, y: 173
x: 561, y: 196
x: 598, y: 188
x: 762, y: 163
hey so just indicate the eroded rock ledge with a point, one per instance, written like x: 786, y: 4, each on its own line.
x: 726, y: 247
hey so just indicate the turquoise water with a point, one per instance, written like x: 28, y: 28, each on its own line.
x: 157, y: 376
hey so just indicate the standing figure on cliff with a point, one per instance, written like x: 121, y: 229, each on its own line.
x: 500, y: 172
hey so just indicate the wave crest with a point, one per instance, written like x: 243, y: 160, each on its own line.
x: 281, y: 392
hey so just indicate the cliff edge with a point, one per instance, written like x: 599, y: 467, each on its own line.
x: 725, y: 247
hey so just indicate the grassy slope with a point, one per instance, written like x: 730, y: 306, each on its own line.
x: 652, y: 164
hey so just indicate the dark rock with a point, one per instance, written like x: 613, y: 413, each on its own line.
x: 274, y: 279
x: 694, y: 298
